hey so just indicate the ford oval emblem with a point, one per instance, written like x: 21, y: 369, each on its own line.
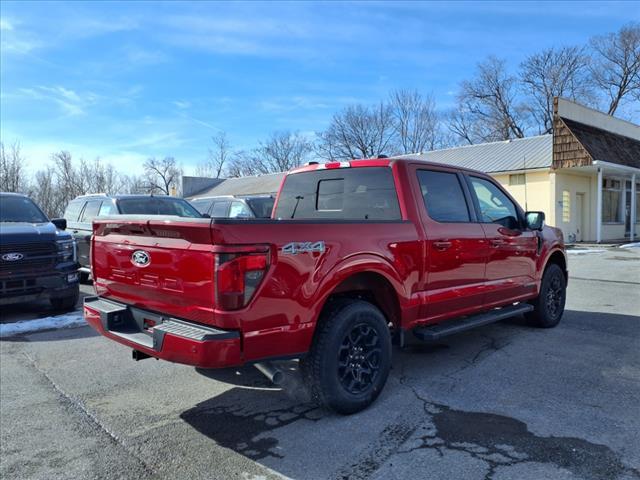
x: 12, y: 257
x: 140, y: 258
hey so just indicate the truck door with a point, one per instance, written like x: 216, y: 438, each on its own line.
x: 456, y: 248
x: 511, y: 264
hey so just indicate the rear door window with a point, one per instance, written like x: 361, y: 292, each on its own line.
x: 262, y: 206
x: 219, y: 209
x: 91, y: 211
x: 107, y: 208
x: 363, y: 193
x: 202, y: 205
x: 73, y: 210
x: 443, y: 196
x: 239, y: 210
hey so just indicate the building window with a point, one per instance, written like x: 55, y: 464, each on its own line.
x: 517, y: 179
x: 611, y: 200
x: 566, y: 206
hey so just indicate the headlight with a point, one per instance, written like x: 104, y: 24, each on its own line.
x: 67, y: 250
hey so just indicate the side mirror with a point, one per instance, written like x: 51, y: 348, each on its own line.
x: 205, y: 215
x: 534, y: 220
x: 60, y: 223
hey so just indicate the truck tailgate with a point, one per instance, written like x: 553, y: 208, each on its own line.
x: 160, y: 265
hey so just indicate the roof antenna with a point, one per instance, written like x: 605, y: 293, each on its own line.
x: 524, y: 164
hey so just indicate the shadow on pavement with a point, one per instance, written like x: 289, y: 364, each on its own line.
x: 246, y: 417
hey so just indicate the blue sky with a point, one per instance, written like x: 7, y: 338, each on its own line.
x: 125, y: 81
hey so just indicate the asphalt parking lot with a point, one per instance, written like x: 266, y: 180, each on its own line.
x: 502, y: 402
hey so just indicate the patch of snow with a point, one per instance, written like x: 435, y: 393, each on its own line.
x: 74, y: 319
x: 631, y: 245
x: 585, y: 251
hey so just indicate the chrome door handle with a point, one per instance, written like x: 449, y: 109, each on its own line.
x: 497, y: 243
x: 443, y: 245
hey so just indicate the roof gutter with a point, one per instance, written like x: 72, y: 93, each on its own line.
x: 615, y: 166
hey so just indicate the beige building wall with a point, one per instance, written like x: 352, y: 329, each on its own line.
x: 536, y: 196
x: 568, y: 199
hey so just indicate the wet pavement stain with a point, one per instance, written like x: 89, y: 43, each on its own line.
x: 504, y: 441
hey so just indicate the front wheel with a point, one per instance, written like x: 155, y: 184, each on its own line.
x: 350, y: 359
x: 549, y: 306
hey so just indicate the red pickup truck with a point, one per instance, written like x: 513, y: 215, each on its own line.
x: 357, y: 254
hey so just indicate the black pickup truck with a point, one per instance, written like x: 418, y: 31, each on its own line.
x: 38, y: 258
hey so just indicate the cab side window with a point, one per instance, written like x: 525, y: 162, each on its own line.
x: 495, y: 206
x: 443, y: 196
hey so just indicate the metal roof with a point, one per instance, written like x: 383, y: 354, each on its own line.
x: 509, y: 155
x: 258, y: 185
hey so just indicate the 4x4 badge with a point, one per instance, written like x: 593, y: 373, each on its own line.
x: 140, y: 258
x: 294, y: 248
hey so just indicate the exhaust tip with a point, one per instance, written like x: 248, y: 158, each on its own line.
x: 270, y: 371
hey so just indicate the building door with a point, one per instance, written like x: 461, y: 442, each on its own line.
x: 579, y: 217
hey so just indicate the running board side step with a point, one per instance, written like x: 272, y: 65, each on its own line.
x: 451, y: 327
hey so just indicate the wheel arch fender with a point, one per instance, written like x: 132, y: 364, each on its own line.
x: 364, y: 273
x: 557, y: 256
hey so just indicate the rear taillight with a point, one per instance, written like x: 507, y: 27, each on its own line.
x: 238, y: 276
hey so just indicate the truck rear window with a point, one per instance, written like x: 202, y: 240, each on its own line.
x: 364, y: 193
x: 157, y: 206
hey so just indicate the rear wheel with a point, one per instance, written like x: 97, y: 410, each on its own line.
x: 549, y: 306
x: 349, y: 361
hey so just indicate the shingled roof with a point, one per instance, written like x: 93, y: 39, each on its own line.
x: 606, y: 146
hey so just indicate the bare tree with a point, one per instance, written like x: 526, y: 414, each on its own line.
x: 554, y: 72
x: 68, y: 179
x: 282, y: 151
x: 133, y: 184
x: 616, y: 65
x: 242, y: 164
x: 162, y: 175
x: 13, y: 177
x: 46, y: 193
x: 416, y: 121
x: 98, y: 177
x: 217, y: 158
x: 359, y: 131
x: 488, y: 108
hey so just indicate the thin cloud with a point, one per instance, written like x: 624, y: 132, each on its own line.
x: 70, y: 102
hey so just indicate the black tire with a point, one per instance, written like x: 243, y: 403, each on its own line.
x: 84, y: 277
x: 549, y: 306
x: 65, y: 303
x: 350, y: 358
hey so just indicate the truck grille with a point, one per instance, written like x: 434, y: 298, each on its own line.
x: 36, y: 258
